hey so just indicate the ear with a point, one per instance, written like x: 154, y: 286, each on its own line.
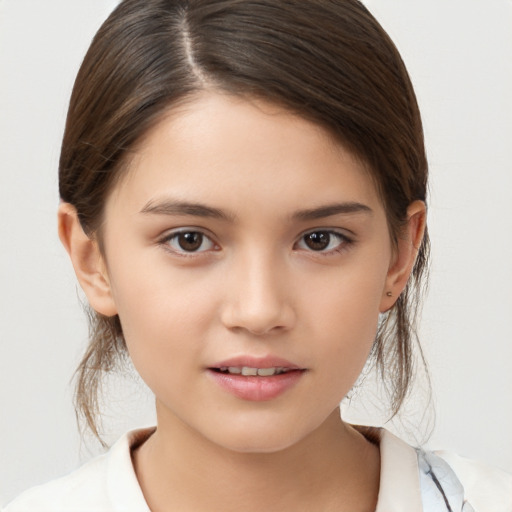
x: 406, y: 251
x: 87, y: 260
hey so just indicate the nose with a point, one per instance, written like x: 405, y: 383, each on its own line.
x: 258, y: 297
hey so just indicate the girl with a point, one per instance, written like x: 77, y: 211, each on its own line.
x: 243, y: 194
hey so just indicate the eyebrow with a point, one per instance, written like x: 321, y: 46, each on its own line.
x: 330, y: 210
x: 176, y: 207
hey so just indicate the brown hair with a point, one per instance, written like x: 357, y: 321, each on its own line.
x: 327, y: 60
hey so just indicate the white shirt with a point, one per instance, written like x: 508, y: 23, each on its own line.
x: 411, y: 481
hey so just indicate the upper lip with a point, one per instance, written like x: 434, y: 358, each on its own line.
x: 256, y: 362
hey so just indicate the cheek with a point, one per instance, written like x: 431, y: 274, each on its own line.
x: 163, y: 311
x: 348, y: 300
x: 344, y: 318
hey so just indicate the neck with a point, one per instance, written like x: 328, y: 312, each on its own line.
x: 334, y: 468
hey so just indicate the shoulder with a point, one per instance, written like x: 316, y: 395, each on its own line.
x: 84, y: 488
x: 107, y: 483
x: 438, y: 481
x: 462, y: 484
x: 488, y: 489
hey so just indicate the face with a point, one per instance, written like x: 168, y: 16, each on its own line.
x: 248, y: 257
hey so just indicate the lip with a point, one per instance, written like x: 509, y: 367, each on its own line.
x: 256, y: 388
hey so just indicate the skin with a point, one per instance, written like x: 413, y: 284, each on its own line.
x: 254, y: 287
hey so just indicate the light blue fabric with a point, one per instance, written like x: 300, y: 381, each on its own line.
x: 441, y: 490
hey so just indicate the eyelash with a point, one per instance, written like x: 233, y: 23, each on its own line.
x: 169, y: 238
x: 344, y: 242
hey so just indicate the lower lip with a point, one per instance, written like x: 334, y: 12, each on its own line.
x: 256, y: 389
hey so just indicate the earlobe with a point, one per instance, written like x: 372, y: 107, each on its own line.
x: 87, y: 260
x: 407, y: 249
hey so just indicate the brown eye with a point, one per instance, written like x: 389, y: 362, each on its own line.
x: 322, y: 241
x: 318, y: 241
x: 189, y: 241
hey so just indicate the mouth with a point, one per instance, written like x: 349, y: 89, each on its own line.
x: 256, y: 379
x: 248, y: 371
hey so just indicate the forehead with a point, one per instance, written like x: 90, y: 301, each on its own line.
x: 230, y: 150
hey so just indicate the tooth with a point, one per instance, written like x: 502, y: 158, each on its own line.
x: 249, y: 371
x: 234, y: 369
x: 266, y: 372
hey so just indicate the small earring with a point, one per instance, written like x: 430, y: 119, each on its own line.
x: 389, y: 294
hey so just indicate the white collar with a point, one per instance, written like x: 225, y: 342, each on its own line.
x: 123, y: 487
x: 399, y: 489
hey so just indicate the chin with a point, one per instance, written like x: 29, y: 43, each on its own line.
x: 259, y: 444
x: 253, y: 437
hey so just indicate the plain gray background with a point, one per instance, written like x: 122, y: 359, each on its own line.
x: 459, y: 55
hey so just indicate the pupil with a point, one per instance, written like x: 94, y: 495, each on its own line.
x: 190, y: 241
x: 318, y: 240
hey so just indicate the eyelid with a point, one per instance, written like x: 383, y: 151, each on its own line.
x: 173, y: 233
x: 345, y: 240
